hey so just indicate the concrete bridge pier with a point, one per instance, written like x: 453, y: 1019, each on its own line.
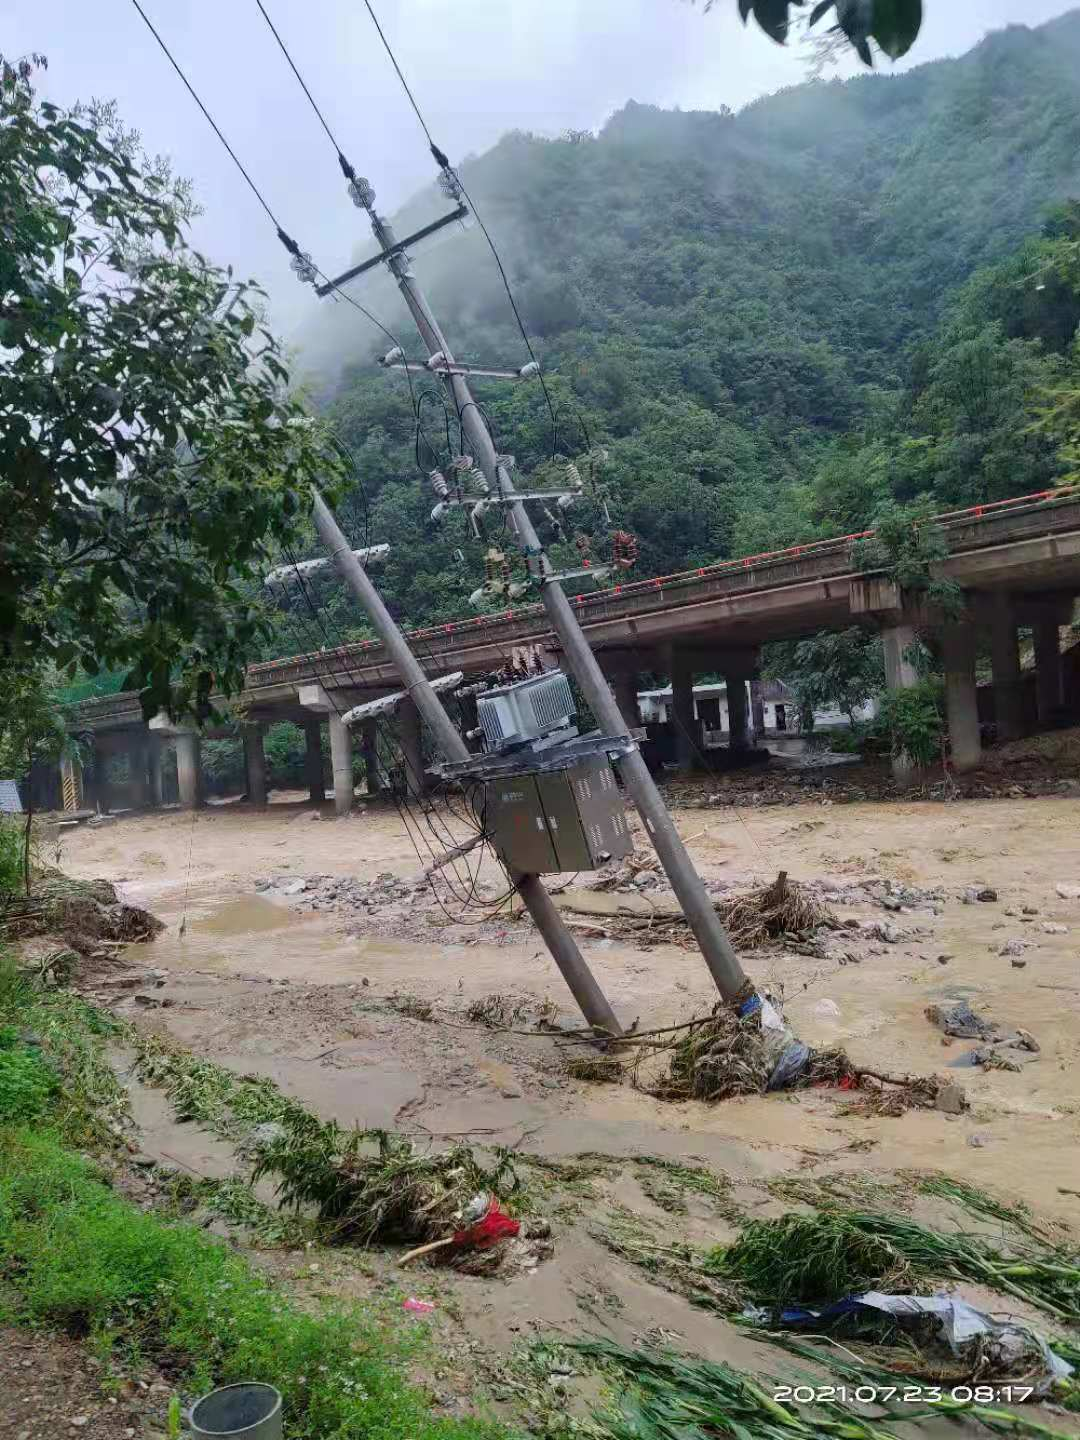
x: 189, y: 769
x: 255, y: 765
x: 1049, y: 672
x: 341, y: 763
x: 138, y: 770
x: 369, y: 751
x: 739, y: 736
x: 961, y: 695
x: 313, y: 759
x: 410, y: 737
x: 897, y: 640
x: 681, y: 671
x: 757, y: 708
x: 156, y: 760
x: 1005, y: 659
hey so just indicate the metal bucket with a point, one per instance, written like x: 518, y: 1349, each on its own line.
x: 248, y: 1411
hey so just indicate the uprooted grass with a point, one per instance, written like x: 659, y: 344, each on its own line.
x: 85, y: 913
x: 835, y: 1253
x: 373, y: 1185
x: 663, y: 1395
x: 363, y: 1185
x: 75, y: 1255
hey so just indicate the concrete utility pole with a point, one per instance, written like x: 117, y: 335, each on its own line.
x: 716, y: 947
x: 564, y: 950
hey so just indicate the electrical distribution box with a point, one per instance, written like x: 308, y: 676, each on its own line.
x: 549, y: 821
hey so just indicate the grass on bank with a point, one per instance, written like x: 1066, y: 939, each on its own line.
x: 76, y: 1256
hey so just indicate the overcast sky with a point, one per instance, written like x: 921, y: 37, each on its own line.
x: 478, y: 68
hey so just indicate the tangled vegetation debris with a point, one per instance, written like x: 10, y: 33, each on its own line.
x: 497, y: 1011
x: 604, y: 1069
x: 836, y: 1253
x: 664, y: 1394
x: 374, y: 1185
x: 85, y: 913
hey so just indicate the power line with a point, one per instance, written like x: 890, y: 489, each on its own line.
x: 210, y: 119
x: 300, y: 78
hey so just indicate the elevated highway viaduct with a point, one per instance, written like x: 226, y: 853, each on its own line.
x: 1016, y: 562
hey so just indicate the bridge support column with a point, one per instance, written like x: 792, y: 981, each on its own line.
x: 189, y: 769
x: 410, y: 736
x: 1049, y: 674
x: 961, y: 696
x: 1005, y: 655
x: 157, y: 772
x: 899, y: 675
x: 757, y: 709
x: 138, y: 777
x: 624, y: 686
x: 370, y: 752
x: 71, y: 783
x: 341, y: 763
x: 313, y: 760
x: 255, y: 766
x: 738, y: 731
x: 687, y: 735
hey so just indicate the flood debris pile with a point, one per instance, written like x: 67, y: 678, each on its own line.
x: 1000, y: 1048
x: 498, y: 1011
x: 87, y: 915
x: 369, y: 1186
x: 783, y: 910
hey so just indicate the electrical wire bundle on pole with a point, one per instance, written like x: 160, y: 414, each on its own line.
x: 493, y: 477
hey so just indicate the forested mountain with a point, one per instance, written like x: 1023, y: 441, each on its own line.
x: 776, y: 321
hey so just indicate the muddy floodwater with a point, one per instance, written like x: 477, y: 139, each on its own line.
x: 264, y: 982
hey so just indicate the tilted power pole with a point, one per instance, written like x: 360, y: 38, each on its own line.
x: 716, y: 947
x: 575, y: 970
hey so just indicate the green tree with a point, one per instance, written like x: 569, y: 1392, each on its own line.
x: 149, y: 451
x: 891, y: 24
x: 836, y: 669
x: 31, y: 731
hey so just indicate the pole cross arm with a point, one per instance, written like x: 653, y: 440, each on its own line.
x: 391, y: 250
x: 387, y: 704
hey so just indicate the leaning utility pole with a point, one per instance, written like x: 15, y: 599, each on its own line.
x: 716, y: 947
x: 564, y: 950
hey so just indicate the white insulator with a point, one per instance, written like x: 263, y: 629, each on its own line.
x: 478, y: 597
x: 462, y: 462
x: 565, y: 501
x: 479, y: 481
x: 393, y: 356
x: 303, y: 266
x: 439, y: 511
x: 508, y: 462
x: 529, y: 371
x: 573, y: 474
x: 515, y: 591
x: 361, y: 193
x: 439, y: 485
x: 433, y: 361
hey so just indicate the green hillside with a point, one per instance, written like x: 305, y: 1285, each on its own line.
x: 769, y: 319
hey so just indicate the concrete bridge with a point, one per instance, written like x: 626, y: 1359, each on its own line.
x: 1016, y: 561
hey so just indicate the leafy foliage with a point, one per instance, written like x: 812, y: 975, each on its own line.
x: 840, y: 670
x: 892, y: 24
x: 26, y: 1082
x: 148, y: 451
x: 915, y: 720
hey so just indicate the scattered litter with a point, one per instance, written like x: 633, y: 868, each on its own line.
x: 988, y: 1348
x: 960, y: 1020
x: 602, y: 1068
x: 1067, y: 891
x: 978, y: 1139
x: 412, y: 1006
x: 1018, y: 964
x: 500, y: 1012
x: 1015, y: 946
x: 987, y: 894
x: 1049, y: 927
x: 826, y: 1009
x: 418, y: 1307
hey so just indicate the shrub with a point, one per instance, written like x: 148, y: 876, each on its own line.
x: 26, y: 1082
x: 915, y: 719
x: 12, y: 842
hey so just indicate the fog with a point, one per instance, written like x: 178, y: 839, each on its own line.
x: 478, y: 68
